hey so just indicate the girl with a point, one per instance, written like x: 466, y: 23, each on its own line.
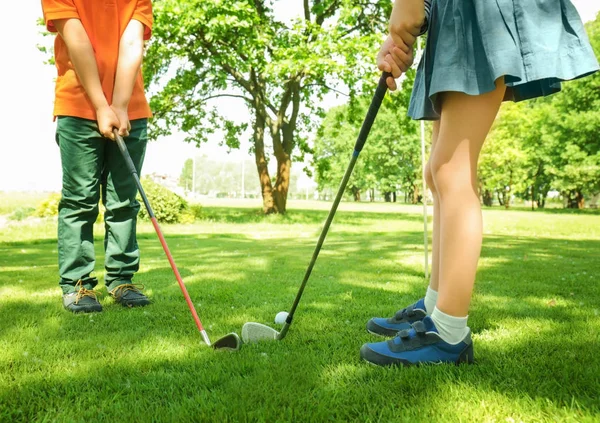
x: 478, y: 53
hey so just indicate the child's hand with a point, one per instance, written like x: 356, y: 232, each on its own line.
x: 107, y: 120
x: 408, y: 17
x: 123, y: 117
x: 394, y: 60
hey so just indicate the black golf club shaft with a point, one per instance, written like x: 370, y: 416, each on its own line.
x: 360, y: 142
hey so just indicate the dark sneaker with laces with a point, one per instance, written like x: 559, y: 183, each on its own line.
x: 130, y: 295
x: 421, y: 344
x: 402, y: 320
x: 82, y: 301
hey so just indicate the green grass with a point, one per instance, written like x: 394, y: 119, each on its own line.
x: 535, y: 318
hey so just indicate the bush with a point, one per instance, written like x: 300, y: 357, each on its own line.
x: 49, y: 206
x: 168, y: 207
x: 21, y: 213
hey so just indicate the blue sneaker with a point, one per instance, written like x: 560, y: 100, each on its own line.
x: 402, y: 320
x: 421, y: 344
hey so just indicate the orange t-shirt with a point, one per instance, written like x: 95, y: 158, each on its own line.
x: 104, y: 22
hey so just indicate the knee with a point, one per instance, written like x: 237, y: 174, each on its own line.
x: 450, y: 180
x: 79, y: 205
x: 122, y: 210
x: 429, y: 178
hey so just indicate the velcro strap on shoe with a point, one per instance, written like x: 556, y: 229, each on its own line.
x: 420, y: 328
x: 404, y: 334
x: 412, y: 339
x: 405, y: 312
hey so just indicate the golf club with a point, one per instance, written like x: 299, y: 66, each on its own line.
x: 253, y: 332
x: 231, y: 341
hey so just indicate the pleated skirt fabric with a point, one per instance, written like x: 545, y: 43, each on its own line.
x: 533, y: 44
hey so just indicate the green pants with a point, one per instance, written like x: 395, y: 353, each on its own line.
x: 92, y: 165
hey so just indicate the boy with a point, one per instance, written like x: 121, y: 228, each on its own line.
x: 98, y: 53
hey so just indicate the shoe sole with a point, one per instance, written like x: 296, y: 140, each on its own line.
x: 465, y: 357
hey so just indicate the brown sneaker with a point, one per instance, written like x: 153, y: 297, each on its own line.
x: 82, y: 300
x: 130, y: 295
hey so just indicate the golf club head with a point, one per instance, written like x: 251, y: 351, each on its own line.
x: 231, y: 342
x: 255, y: 332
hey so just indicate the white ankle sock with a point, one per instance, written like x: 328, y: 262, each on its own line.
x: 430, y: 300
x: 451, y: 329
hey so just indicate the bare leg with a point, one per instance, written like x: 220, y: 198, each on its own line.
x: 435, y: 242
x: 465, y: 123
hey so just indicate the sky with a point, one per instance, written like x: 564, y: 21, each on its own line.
x: 30, y: 159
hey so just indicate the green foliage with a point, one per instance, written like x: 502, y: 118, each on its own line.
x: 551, y: 143
x: 21, y: 213
x: 168, y: 207
x: 49, y: 206
x: 187, y: 173
x: 279, y: 68
x: 391, y: 158
x: 47, y: 47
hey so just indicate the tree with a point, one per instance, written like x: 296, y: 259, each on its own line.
x: 185, y: 180
x: 502, y: 165
x: 391, y: 158
x: 548, y: 143
x: 203, y: 50
x: 574, y: 118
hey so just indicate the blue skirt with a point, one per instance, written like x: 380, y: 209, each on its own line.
x: 471, y: 43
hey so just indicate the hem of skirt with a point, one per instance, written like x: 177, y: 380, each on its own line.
x: 554, y: 82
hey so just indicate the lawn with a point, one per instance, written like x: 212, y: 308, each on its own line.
x: 535, y: 318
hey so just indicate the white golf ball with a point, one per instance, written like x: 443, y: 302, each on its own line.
x: 280, y: 317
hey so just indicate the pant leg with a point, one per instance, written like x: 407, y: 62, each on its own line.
x: 81, y: 152
x: 119, y: 196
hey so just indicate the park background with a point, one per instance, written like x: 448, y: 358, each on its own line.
x: 535, y: 314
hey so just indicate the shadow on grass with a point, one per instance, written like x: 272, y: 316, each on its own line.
x: 550, y: 210
x: 301, y: 216
x: 152, y: 363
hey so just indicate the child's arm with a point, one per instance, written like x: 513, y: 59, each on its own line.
x: 131, y: 50
x: 82, y: 56
x: 406, y: 24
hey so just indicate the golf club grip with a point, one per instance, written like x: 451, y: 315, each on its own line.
x: 371, y: 113
x: 131, y: 166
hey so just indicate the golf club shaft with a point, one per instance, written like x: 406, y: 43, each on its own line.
x: 360, y: 142
x: 134, y: 173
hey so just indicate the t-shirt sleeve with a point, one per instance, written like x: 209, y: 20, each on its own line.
x: 143, y: 13
x: 58, y: 9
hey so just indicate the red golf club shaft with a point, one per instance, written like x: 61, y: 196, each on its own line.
x: 188, y: 300
x: 133, y: 170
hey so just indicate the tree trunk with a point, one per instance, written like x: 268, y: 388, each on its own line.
x: 261, y: 164
x: 580, y: 199
x: 282, y: 182
x: 394, y: 196
x: 415, y: 194
x: 282, y: 133
x: 507, y: 192
x: 500, y: 198
x: 487, y: 197
x: 387, y: 196
x: 355, y: 193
